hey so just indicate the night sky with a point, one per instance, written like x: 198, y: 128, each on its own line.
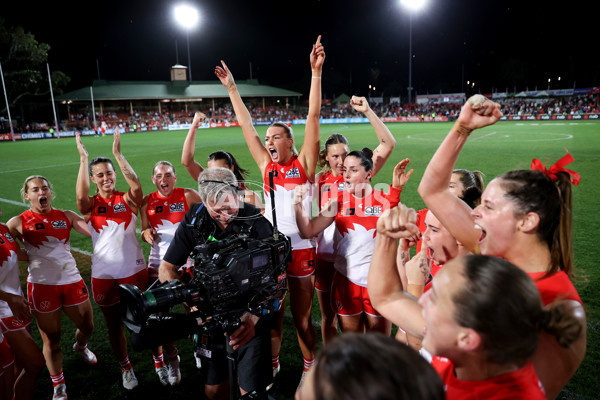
x: 498, y: 45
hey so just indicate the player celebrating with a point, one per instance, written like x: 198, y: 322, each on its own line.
x: 118, y: 258
x: 329, y: 182
x: 354, y: 213
x: 54, y: 284
x: 278, y: 156
x: 161, y: 213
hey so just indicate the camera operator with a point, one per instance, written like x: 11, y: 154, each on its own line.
x: 222, y: 216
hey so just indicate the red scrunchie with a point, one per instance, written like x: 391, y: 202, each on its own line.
x: 558, y: 166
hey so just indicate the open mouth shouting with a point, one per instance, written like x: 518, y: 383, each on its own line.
x: 274, y: 154
x: 44, y: 202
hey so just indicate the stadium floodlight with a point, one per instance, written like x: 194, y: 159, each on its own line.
x: 188, y: 18
x: 412, y: 6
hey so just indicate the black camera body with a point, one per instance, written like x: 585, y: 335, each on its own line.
x: 228, y: 278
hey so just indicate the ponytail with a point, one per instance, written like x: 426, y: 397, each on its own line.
x: 562, y: 243
x: 559, y: 321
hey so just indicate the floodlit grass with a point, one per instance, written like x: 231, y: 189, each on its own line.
x: 502, y: 147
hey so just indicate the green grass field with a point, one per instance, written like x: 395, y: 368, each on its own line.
x: 502, y: 147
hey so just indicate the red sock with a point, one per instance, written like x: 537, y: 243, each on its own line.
x: 58, y: 379
x: 308, y: 364
x: 275, y: 361
x: 159, y: 361
x: 125, y: 364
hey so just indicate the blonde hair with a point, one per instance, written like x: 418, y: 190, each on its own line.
x: 24, y: 189
x: 289, y: 132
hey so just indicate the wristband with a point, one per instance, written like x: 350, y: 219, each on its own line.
x: 316, y: 77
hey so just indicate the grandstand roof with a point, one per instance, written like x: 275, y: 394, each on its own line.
x: 182, y: 90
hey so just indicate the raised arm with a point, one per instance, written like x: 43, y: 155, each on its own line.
x: 453, y: 213
x: 78, y: 223
x: 257, y: 149
x: 309, y: 152
x: 386, y: 140
x: 82, y: 187
x: 134, y: 195
x: 385, y: 286
x: 308, y: 227
x: 148, y: 232
x: 193, y: 167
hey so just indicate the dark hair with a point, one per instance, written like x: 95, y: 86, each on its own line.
x: 366, y: 157
x: 335, y: 138
x: 502, y: 303
x: 534, y: 191
x: 100, y: 160
x: 472, y: 182
x: 239, y: 172
x: 373, y: 366
x: 167, y: 163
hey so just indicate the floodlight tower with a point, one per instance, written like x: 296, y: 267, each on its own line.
x: 412, y: 6
x: 187, y: 17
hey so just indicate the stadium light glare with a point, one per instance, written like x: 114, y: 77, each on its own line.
x: 188, y: 18
x: 412, y: 6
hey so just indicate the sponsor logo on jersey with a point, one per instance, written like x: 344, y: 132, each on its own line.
x: 373, y: 211
x: 9, y: 237
x: 293, y: 173
x: 177, y: 207
x: 117, y: 208
x: 59, y: 224
x: 139, y: 261
x: 39, y: 226
x: 341, y: 186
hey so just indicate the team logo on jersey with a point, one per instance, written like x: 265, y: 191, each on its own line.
x: 373, y: 211
x: 177, y: 207
x: 59, y: 224
x: 293, y: 173
x: 158, y: 209
x: 349, y: 211
x: 39, y: 226
x: 275, y: 173
x: 101, y: 210
x: 117, y: 208
x: 326, y: 188
x: 139, y: 261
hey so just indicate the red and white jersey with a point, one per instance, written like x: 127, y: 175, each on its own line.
x: 520, y: 384
x: 286, y: 177
x: 354, y: 237
x: 117, y: 251
x: 9, y: 269
x: 46, y: 240
x: 329, y: 187
x: 164, y: 215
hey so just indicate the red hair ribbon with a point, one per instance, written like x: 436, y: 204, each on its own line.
x: 558, y: 166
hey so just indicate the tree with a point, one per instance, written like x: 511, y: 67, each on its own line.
x: 24, y: 65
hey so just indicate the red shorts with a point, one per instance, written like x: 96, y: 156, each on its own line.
x: 350, y: 299
x: 49, y: 298
x: 106, y: 291
x: 324, y: 275
x: 12, y: 324
x: 303, y: 263
x: 7, y: 358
